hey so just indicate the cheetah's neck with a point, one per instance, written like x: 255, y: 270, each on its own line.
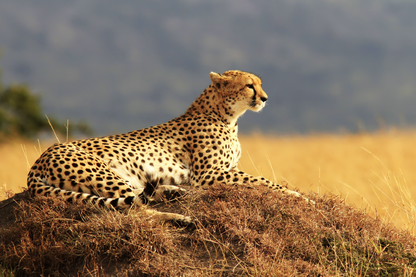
x: 210, y: 103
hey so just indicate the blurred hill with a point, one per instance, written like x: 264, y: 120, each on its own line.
x: 123, y: 65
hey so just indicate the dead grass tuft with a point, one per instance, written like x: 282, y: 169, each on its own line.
x: 238, y: 232
x: 51, y: 237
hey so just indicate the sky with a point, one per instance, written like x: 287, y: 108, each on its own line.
x: 327, y: 66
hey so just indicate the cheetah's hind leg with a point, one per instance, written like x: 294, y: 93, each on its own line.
x: 155, y: 190
x: 169, y: 192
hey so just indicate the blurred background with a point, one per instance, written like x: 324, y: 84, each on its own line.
x: 327, y: 65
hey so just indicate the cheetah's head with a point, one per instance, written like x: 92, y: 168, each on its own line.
x: 242, y: 90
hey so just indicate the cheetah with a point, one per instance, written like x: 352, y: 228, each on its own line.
x: 199, y: 148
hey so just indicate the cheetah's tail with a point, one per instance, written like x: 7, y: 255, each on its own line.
x: 40, y: 187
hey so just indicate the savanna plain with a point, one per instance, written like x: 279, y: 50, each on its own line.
x: 374, y: 171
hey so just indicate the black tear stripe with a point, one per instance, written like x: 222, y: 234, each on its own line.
x: 255, y: 94
x: 253, y: 100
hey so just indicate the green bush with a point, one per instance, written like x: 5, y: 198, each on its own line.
x: 21, y: 115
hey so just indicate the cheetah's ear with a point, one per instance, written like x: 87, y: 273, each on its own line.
x: 215, y: 77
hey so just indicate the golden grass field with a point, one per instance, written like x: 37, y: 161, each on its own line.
x: 375, y: 171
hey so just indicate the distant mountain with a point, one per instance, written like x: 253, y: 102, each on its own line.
x: 123, y: 65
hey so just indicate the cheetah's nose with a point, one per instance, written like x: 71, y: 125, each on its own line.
x: 264, y: 99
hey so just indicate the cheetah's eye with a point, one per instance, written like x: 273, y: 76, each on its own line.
x: 250, y: 86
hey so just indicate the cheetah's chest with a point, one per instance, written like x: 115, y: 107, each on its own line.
x: 235, y: 153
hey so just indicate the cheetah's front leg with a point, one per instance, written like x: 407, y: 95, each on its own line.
x: 235, y: 177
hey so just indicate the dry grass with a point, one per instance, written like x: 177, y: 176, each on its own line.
x: 368, y: 170
x: 238, y: 232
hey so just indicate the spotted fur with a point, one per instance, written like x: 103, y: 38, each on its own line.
x: 199, y: 148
